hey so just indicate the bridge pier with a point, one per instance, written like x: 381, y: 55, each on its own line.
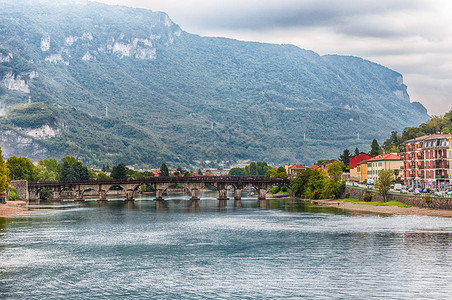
x: 262, y: 194
x: 102, y: 195
x: 238, y: 194
x: 129, y: 195
x: 56, y: 196
x: 159, y: 194
x: 79, y: 196
x: 238, y: 203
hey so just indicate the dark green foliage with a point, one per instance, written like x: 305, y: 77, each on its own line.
x: 200, y: 99
x: 375, y: 148
x: 367, y: 197
x: 45, y: 194
x: 164, y: 170
x: 119, y: 172
x: 72, y: 169
x: 356, y: 151
x: 237, y: 171
x: 345, y: 158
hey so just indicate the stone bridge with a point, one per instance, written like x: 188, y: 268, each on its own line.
x: 130, y: 187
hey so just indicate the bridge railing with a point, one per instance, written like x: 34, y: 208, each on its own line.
x: 167, y: 179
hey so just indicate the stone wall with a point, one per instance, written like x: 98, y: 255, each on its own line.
x: 21, y: 187
x: 420, y: 201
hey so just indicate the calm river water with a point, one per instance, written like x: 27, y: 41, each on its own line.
x: 178, y: 250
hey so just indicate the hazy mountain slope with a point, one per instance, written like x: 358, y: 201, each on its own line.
x: 203, y: 98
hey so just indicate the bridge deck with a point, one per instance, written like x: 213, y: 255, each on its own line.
x: 175, y: 180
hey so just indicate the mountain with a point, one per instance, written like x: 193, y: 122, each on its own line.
x: 184, y: 98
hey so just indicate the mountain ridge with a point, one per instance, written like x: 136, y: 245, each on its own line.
x: 205, y: 98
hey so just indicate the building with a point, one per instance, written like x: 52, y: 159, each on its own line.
x: 361, y: 171
x: 354, y: 161
x: 384, y: 162
x: 427, y: 161
x: 292, y: 170
x: 324, y: 165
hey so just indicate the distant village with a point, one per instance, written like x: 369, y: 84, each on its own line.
x: 426, y: 162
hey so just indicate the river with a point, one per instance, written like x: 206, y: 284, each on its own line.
x: 179, y: 250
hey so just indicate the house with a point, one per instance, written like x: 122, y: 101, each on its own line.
x: 354, y: 164
x: 324, y: 165
x: 427, y: 161
x: 292, y: 170
x: 361, y: 171
x: 314, y: 167
x: 383, y: 162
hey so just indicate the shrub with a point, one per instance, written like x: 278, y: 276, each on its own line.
x: 347, y: 195
x: 428, y: 198
x: 12, y: 195
x: 368, y: 197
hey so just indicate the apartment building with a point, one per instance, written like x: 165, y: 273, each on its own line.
x: 427, y: 161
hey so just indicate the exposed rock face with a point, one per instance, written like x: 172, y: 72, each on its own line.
x: 44, y: 132
x: 45, y: 43
x: 5, y: 57
x: 13, y: 82
x: 15, y: 144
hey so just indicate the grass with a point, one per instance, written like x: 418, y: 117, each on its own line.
x: 377, y: 203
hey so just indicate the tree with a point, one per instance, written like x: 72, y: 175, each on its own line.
x: 164, y: 170
x: 356, y: 151
x: 4, y: 174
x: 47, y: 170
x: 345, y: 158
x: 375, y: 148
x: 262, y: 167
x: 383, y: 183
x: 237, y: 171
x: 200, y: 172
x: 72, y: 169
x: 21, y: 168
x: 335, y: 170
x: 119, y: 172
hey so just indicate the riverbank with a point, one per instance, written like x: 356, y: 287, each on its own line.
x: 13, y: 208
x: 383, y: 209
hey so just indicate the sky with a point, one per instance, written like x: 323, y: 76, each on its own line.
x: 412, y: 37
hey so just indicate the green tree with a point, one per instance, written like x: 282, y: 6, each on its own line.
x: 375, y: 148
x: 72, y: 169
x: 164, y: 170
x: 119, y: 171
x: 383, y: 183
x: 345, y: 158
x: 21, y: 168
x: 356, y: 151
x: 47, y: 170
x: 4, y: 173
x: 335, y: 170
x: 200, y: 172
x: 252, y: 170
x: 262, y: 167
x: 237, y: 171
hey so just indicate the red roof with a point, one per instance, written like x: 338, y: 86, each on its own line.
x: 359, y: 158
x: 386, y: 157
x: 314, y: 167
x: 297, y: 167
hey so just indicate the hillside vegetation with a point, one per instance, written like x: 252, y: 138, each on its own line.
x: 174, y: 96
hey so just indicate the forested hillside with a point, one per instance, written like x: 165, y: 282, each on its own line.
x: 177, y: 97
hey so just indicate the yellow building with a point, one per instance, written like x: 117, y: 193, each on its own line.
x: 361, y: 171
x: 384, y: 162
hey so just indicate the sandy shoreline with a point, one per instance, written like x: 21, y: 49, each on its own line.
x: 384, y: 209
x: 14, y: 208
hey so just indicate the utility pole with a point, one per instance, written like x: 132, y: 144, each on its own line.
x: 106, y: 111
x: 29, y: 99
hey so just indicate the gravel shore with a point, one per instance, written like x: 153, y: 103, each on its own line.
x: 13, y: 208
x: 385, y: 209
